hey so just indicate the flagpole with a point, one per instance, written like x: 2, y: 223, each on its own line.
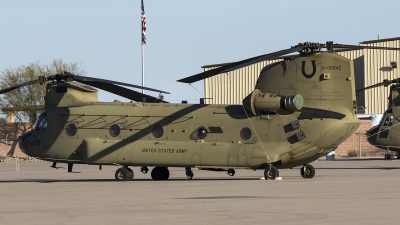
x: 143, y: 32
x: 142, y: 68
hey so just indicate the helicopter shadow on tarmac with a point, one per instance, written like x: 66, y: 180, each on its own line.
x: 113, y: 180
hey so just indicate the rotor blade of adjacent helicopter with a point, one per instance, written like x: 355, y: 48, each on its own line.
x: 239, y: 64
x: 20, y: 85
x: 384, y: 83
x: 123, y: 92
x: 84, y: 80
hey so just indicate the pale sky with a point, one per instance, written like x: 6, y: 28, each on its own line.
x: 182, y: 35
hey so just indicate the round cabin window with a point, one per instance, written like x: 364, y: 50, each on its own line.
x: 201, y: 132
x: 245, y: 133
x: 71, y: 129
x: 158, y: 131
x: 115, y: 130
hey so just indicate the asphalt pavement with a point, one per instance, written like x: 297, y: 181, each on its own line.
x: 342, y: 192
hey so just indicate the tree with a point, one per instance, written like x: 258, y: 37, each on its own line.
x: 26, y: 102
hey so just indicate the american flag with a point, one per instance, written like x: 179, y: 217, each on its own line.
x: 143, y: 25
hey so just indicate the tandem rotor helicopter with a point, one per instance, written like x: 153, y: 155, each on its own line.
x: 386, y: 134
x: 301, y: 108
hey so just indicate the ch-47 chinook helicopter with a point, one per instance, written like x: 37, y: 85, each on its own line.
x: 386, y: 134
x: 301, y: 108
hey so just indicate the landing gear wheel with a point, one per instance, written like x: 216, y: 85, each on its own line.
x: 271, y: 172
x: 166, y: 173
x: 123, y: 174
x: 231, y: 172
x: 307, y: 171
x: 189, y: 173
x: 131, y: 173
x: 389, y: 156
x: 160, y: 173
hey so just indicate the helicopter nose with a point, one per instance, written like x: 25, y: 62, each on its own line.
x: 372, y: 134
x: 23, y: 141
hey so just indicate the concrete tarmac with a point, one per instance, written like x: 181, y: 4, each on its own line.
x: 342, y: 192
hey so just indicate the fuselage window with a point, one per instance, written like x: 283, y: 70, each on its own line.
x: 158, y: 131
x: 71, y: 129
x: 245, y: 133
x: 115, y: 130
x: 201, y: 132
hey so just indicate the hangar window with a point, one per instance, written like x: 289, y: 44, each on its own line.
x: 158, y: 131
x: 245, y: 133
x: 201, y: 132
x: 115, y: 130
x: 71, y: 129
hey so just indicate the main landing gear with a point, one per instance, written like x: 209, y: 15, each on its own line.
x: 307, y: 171
x: 160, y: 173
x: 271, y: 172
x: 189, y: 173
x: 389, y: 155
x: 124, y: 174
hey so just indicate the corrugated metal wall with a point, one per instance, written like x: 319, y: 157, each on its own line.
x: 377, y: 68
x: 358, y: 59
x: 370, y: 67
x: 233, y: 87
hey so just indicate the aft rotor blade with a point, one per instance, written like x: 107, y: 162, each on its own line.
x: 123, y: 92
x: 239, y: 64
x: 20, y: 85
x: 350, y: 47
x: 86, y: 80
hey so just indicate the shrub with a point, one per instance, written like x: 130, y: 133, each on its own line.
x: 352, y: 153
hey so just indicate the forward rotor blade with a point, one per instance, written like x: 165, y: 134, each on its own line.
x: 86, y: 80
x: 239, y: 64
x: 123, y: 92
x: 23, y: 108
x: 20, y: 85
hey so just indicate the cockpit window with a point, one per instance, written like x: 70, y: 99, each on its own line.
x: 41, y: 122
x: 42, y: 125
x: 387, y: 121
x: 385, y: 124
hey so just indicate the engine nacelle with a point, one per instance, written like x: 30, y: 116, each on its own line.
x: 258, y: 101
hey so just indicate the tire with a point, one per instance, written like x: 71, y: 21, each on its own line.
x: 160, y: 173
x: 132, y: 175
x: 307, y: 171
x: 165, y: 173
x: 271, y: 172
x: 123, y: 174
